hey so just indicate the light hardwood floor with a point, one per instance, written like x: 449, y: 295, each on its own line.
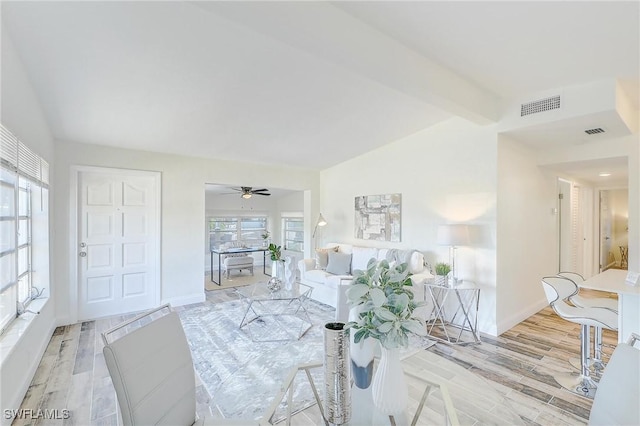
x: 519, y: 364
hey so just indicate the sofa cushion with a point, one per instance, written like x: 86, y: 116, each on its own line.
x: 416, y: 262
x: 322, y: 258
x: 316, y: 276
x: 360, y: 257
x: 339, y: 263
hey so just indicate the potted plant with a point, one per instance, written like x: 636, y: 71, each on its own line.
x: 275, y: 254
x: 265, y: 237
x: 442, y: 271
x: 386, y: 306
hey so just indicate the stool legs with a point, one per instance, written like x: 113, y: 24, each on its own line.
x: 580, y: 384
x: 597, y: 362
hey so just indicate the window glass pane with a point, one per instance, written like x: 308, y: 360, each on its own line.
x: 23, y: 231
x: 7, y: 269
x: 23, y: 259
x: 7, y: 193
x: 8, y: 299
x: 24, y: 289
x: 23, y: 202
x: 7, y: 235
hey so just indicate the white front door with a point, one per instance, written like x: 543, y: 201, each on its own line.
x: 118, y: 214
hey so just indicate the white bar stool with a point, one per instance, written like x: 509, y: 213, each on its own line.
x: 558, y: 290
x: 592, y: 302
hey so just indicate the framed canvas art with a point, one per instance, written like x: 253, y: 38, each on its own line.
x: 377, y: 217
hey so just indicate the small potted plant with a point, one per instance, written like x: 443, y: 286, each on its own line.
x: 442, y: 273
x: 265, y: 238
x: 275, y: 254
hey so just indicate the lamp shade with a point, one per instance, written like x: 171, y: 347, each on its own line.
x: 321, y: 221
x: 453, y: 235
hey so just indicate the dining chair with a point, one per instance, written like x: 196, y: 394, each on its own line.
x: 152, y: 371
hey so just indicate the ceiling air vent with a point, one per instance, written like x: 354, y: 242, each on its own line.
x: 594, y: 131
x: 540, y: 106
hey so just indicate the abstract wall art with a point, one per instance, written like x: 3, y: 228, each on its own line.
x: 377, y: 217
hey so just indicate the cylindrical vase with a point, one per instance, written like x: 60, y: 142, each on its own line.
x: 337, y: 378
x: 362, y: 354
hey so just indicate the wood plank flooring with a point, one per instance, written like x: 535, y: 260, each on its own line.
x: 519, y: 364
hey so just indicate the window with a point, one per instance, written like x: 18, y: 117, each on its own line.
x: 249, y: 230
x: 293, y: 233
x: 24, y: 226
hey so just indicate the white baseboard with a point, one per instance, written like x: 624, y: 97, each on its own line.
x: 508, y: 323
x: 186, y: 300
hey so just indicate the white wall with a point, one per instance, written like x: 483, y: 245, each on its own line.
x: 183, y: 211
x: 526, y: 233
x: 446, y: 174
x: 21, y: 113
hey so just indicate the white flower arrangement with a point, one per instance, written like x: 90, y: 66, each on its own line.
x: 387, y: 304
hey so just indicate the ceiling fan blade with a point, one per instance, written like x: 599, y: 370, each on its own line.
x: 260, y: 193
x: 259, y: 190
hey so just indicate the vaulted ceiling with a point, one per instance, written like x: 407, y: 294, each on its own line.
x: 307, y: 84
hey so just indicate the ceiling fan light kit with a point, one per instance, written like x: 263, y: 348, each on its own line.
x: 247, y: 192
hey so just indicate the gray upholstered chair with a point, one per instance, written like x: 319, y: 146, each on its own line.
x: 152, y: 371
x: 237, y: 261
x: 616, y: 401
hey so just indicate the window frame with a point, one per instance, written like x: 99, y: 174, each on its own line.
x: 237, y: 230
x: 22, y: 173
x: 286, y: 242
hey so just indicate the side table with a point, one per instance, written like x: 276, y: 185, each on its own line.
x: 454, y: 311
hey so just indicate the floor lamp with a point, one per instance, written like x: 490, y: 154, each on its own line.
x: 319, y: 224
x: 453, y: 235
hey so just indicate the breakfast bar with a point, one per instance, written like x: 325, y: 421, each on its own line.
x: 614, y: 281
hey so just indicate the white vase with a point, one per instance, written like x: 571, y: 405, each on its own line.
x: 362, y: 354
x: 288, y: 273
x: 389, y: 388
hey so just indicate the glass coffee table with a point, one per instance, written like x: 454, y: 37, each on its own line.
x: 273, y: 316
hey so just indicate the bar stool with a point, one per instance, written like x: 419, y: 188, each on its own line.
x: 558, y: 289
x: 591, y: 302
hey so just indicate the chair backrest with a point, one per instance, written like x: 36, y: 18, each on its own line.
x: 573, y: 276
x: 616, y: 400
x: 558, y: 289
x: 152, y: 372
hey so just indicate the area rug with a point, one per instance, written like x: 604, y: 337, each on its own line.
x: 242, y: 375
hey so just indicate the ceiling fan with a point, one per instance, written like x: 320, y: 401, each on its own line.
x: 248, y: 191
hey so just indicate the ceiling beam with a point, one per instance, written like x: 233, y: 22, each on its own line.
x: 330, y: 34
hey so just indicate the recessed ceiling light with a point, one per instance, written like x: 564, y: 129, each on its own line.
x: 604, y: 174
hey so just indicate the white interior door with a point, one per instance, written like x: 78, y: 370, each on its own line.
x: 118, y: 214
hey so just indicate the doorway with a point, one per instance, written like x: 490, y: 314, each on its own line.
x: 614, y: 229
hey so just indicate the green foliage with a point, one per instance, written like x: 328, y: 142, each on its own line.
x: 442, y: 268
x: 384, y: 292
x: 275, y: 251
x: 265, y: 235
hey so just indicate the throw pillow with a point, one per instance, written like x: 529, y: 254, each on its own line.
x: 322, y: 258
x: 339, y: 263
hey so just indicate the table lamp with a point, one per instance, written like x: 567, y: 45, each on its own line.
x: 453, y: 235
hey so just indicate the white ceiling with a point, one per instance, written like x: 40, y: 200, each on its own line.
x: 307, y: 84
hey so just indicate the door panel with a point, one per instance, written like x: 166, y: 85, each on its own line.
x: 118, y: 268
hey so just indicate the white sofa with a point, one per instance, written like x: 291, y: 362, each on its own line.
x: 329, y: 288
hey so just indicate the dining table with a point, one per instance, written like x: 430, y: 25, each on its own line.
x: 615, y: 281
